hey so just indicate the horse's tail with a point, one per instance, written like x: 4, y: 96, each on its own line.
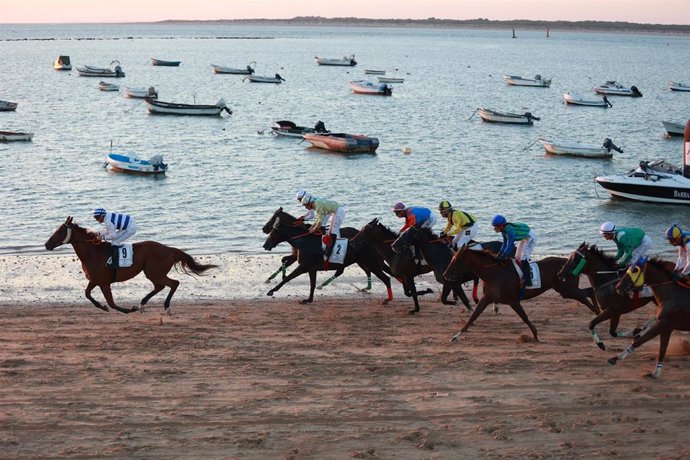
x: 188, y: 265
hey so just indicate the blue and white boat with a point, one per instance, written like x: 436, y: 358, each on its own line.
x: 131, y: 164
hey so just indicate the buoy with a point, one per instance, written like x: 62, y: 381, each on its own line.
x: 407, y: 150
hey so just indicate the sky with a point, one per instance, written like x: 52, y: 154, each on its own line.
x: 75, y: 11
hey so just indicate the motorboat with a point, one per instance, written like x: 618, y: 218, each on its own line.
x: 613, y: 88
x: 132, y: 164
x: 12, y: 136
x: 6, y: 106
x: 172, y: 108
x: 390, y: 80
x: 537, y: 81
x: 90, y: 71
x: 105, y: 86
x: 579, y: 149
x: 374, y: 72
x: 589, y: 101
x: 673, y: 129
x: 342, y: 142
x: 345, y: 61
x: 494, y: 116
x: 162, y: 63
x: 249, y: 70
x: 658, y: 181
x: 277, y: 79
x: 62, y: 63
x: 289, y: 129
x: 675, y: 86
x: 140, y: 93
x: 369, y: 87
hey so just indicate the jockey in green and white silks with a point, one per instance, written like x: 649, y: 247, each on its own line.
x: 677, y: 237
x: 632, y: 243
x: 462, y: 226
x: 526, y: 238
x: 323, y: 209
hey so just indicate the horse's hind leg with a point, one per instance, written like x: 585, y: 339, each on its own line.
x: 523, y: 316
x: 665, y: 336
x: 173, y: 284
x: 649, y: 335
x: 107, y: 293
x: 312, y: 286
x: 157, y: 287
x: 445, y: 290
x: 96, y: 303
x: 337, y: 273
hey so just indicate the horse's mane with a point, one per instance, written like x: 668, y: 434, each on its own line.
x: 89, y: 231
x: 387, y: 229
x: 610, y: 260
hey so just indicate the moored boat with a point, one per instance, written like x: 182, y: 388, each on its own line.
x: 673, y: 129
x: 6, y: 106
x: 391, y: 80
x: 345, y: 61
x: 13, y: 136
x: 90, y: 71
x: 579, y: 149
x: 162, y: 63
x: 371, y: 88
x: 105, y: 86
x: 494, y: 116
x: 249, y: 70
x: 593, y: 101
x: 277, y: 79
x: 140, y: 93
x: 290, y: 129
x: 342, y: 142
x: 537, y: 81
x: 613, y: 88
x: 374, y: 72
x: 132, y: 164
x: 62, y: 63
x: 171, y: 108
x: 675, y: 86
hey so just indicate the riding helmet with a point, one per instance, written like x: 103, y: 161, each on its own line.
x: 98, y: 212
x: 498, y: 220
x: 399, y: 207
x: 674, y: 232
x: 444, y: 206
x: 607, y: 227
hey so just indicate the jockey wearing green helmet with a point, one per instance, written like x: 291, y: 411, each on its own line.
x: 677, y: 237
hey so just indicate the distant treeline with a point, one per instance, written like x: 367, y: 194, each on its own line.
x: 469, y: 23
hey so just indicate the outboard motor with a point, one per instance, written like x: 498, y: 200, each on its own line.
x: 118, y: 71
x: 278, y: 77
x: 636, y: 92
x: 531, y: 117
x: 609, y: 145
x: 320, y: 127
x: 537, y: 77
x: 157, y: 163
x: 152, y: 93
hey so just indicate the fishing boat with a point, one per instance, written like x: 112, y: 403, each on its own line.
x: 132, y: 164
x: 374, y: 72
x: 390, y: 80
x: 13, y: 136
x: 171, y: 108
x: 371, y: 88
x: 289, y: 129
x: 90, y: 71
x: 62, y: 63
x: 588, y: 101
x: 162, y: 63
x: 579, y: 149
x: 6, y: 106
x: 673, y: 129
x: 345, y: 61
x: 494, y: 116
x: 105, y: 86
x: 675, y: 86
x: 658, y: 181
x: 345, y: 143
x: 140, y: 93
x: 277, y: 79
x: 249, y: 70
x: 613, y: 88
x: 519, y: 81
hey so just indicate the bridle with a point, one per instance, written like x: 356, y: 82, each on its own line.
x: 68, y: 238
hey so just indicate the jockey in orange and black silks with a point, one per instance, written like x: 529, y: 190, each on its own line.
x: 415, y: 216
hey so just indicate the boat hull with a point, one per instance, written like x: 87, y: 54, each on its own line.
x: 6, y: 106
x: 259, y: 79
x: 507, y: 118
x: 231, y: 70
x: 96, y: 72
x: 576, y: 99
x: 370, y: 88
x: 374, y: 72
x: 125, y: 163
x: 639, y: 189
x: 682, y: 87
x: 169, y: 108
x: 519, y: 81
x: 344, y: 143
x: 576, y: 150
x: 138, y: 93
x: 159, y: 63
x: 390, y: 80
x: 673, y: 129
x: 15, y: 136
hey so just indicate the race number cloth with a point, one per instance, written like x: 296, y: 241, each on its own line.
x: 125, y: 255
x: 339, y: 251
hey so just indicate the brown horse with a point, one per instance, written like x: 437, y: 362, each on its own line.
x: 154, y: 259
x: 673, y: 306
x: 501, y: 283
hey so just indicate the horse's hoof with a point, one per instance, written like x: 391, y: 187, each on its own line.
x: 385, y: 302
x: 412, y: 312
x: 304, y: 301
x: 612, y: 361
x: 601, y: 346
x: 269, y: 293
x: 267, y: 281
x: 456, y: 337
x: 449, y: 302
x: 141, y: 308
x: 168, y: 311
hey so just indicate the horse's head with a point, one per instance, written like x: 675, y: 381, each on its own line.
x: 268, y: 226
x: 284, y: 227
x: 61, y: 235
x: 405, y: 240
x: 274, y: 235
x: 364, y: 234
x: 576, y: 262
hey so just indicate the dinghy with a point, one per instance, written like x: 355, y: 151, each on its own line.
x: 249, y: 70
x: 171, y: 108
x: 13, y: 136
x: 132, y: 164
x: 345, y: 61
x: 493, y: 116
x: 613, y: 88
x: 277, y: 79
x: 537, y: 81
x: 579, y: 149
x: 342, y: 142
x: 90, y: 71
x: 593, y: 101
x: 391, y: 80
x: 675, y: 86
x: 105, y: 86
x: 162, y: 63
x: 374, y: 72
x: 140, y: 93
x: 371, y: 88
x: 6, y: 106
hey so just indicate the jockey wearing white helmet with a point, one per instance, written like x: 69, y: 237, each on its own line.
x: 309, y: 215
x: 325, y: 208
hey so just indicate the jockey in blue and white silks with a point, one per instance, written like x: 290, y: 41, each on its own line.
x: 118, y: 227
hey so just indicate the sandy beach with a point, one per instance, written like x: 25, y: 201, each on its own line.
x: 234, y: 374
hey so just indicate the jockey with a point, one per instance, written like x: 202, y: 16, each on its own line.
x: 415, y: 216
x: 309, y: 215
x: 118, y: 227
x: 632, y: 243
x: 461, y: 225
x: 677, y: 237
x: 512, y: 232
x: 325, y: 208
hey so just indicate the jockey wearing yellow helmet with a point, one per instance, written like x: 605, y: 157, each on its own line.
x: 462, y: 226
x: 677, y: 237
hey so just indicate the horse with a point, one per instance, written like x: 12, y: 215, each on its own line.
x: 154, y: 259
x: 286, y: 228
x: 602, y: 274
x: 672, y: 311
x: 501, y: 284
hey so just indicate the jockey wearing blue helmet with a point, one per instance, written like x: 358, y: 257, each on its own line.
x: 512, y: 232
x: 118, y: 227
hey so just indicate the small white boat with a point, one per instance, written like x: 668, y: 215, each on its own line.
x: 494, y: 116
x: 579, y: 149
x: 171, y: 108
x: 675, y: 86
x: 105, y: 86
x: 371, y: 88
x: 249, y: 70
x: 277, y: 79
x: 613, y: 88
x: 519, y: 81
x: 140, y: 93
x: 589, y: 101
x: 673, y: 129
x: 6, y: 106
x: 162, y: 63
x: 374, y: 72
x: 132, y: 164
x: 345, y: 61
x: 90, y: 71
x: 391, y: 80
x: 62, y: 63
x: 12, y: 136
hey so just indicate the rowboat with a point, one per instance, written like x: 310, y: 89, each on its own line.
x: 6, y: 106
x: 289, y: 129
x: 675, y: 86
x: 90, y: 71
x: 673, y: 129
x: 259, y: 79
x: 162, y: 63
x: 62, y: 63
x: 519, y: 81
x: 12, y: 136
x: 613, y: 88
x: 374, y: 72
x: 105, y: 86
x: 345, y: 143
x: 131, y: 164
x: 345, y: 61
x: 506, y: 117
x: 171, y: 108
x: 579, y: 99
x: 371, y: 88
x: 579, y: 149
x: 391, y: 80
x: 140, y: 93
x: 249, y: 70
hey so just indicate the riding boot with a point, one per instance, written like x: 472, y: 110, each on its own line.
x: 114, y: 262
x: 526, y: 272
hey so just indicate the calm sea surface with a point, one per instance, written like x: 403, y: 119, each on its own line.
x: 227, y: 175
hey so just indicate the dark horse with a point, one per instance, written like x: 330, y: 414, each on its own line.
x: 154, y: 259
x: 310, y: 256
x: 673, y: 306
x: 602, y: 272
x: 501, y: 283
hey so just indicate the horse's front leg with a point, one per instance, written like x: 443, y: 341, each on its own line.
x: 523, y: 316
x: 96, y: 303
x: 483, y: 302
x: 649, y: 335
x: 600, y: 318
x: 412, y: 288
x: 301, y: 268
x: 445, y: 291
x: 105, y: 289
x: 312, y: 286
x: 460, y: 292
